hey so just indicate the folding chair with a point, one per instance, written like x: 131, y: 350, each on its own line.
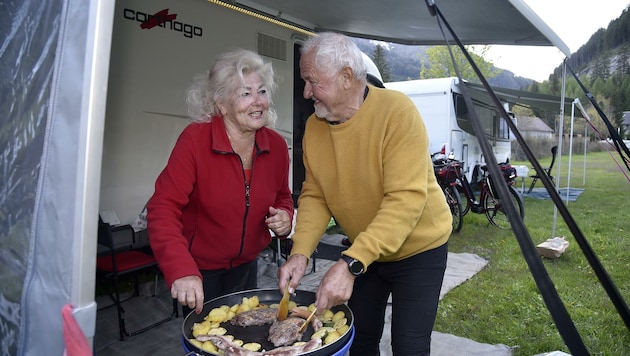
x: 554, y: 151
x: 117, y: 262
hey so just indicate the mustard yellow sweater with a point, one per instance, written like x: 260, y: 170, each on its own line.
x: 374, y: 174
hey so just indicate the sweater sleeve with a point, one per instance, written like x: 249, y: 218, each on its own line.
x: 313, y: 213
x: 172, y: 189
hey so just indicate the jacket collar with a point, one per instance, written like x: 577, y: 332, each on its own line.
x: 221, y: 142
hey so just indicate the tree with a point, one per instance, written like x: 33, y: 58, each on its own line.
x: 601, y: 68
x: 378, y: 56
x: 440, y: 64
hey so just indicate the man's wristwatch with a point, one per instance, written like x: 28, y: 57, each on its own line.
x: 354, y: 266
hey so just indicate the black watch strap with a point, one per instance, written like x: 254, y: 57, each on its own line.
x: 354, y: 266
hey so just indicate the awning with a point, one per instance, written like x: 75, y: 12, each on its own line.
x: 545, y: 102
x: 500, y: 22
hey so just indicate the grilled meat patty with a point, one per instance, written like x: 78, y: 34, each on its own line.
x: 255, y: 317
x: 285, y: 332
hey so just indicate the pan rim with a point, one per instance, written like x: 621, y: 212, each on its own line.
x: 329, y: 349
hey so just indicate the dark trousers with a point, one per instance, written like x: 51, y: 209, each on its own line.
x: 225, y: 281
x: 414, y: 284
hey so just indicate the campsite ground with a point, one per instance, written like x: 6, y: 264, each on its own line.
x: 503, y: 304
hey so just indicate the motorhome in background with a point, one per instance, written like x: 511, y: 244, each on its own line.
x: 441, y: 104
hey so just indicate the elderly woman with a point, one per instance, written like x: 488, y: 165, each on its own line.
x: 225, y: 184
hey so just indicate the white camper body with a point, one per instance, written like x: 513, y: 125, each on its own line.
x: 150, y: 71
x: 443, y: 110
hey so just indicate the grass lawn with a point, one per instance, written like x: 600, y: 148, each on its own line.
x: 502, y: 304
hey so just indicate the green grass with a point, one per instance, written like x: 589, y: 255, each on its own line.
x: 502, y: 304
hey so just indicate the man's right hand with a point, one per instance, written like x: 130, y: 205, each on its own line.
x: 189, y: 292
x: 292, y: 272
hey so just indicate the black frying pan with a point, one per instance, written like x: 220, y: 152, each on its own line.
x: 259, y: 334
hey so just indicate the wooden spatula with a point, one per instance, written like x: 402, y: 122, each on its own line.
x: 308, y: 320
x: 283, y: 307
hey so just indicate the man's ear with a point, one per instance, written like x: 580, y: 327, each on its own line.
x: 348, y: 77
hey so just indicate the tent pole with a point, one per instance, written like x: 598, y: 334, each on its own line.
x: 570, y: 152
x: 560, y: 131
x: 585, y: 150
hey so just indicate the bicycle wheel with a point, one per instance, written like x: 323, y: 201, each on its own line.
x: 495, y: 212
x: 465, y: 203
x: 455, y: 204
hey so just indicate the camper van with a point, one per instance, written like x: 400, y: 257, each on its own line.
x: 441, y: 104
x: 153, y: 60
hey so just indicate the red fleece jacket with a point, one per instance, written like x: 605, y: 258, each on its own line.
x: 203, y: 214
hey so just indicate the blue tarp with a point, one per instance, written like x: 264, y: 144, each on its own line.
x: 570, y: 194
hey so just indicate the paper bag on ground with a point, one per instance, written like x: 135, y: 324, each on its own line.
x: 553, y: 248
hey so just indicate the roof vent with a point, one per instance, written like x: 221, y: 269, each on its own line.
x: 272, y: 47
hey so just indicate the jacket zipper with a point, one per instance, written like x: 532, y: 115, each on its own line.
x: 246, y: 184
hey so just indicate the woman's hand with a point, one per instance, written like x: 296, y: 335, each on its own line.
x: 189, y: 292
x: 278, y: 221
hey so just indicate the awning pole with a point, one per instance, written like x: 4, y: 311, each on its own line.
x: 560, y: 134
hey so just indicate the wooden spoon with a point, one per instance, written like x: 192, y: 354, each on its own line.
x: 283, y: 307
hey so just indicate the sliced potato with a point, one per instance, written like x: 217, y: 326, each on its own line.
x: 217, y: 331
x: 252, y: 346
x: 338, y: 315
x: 242, y: 308
x: 245, y: 301
x: 217, y: 315
x: 238, y: 342
x: 196, y: 342
x: 340, y: 322
x: 322, y: 332
x: 200, y: 328
x: 327, y: 315
x: 253, y: 301
x: 331, y: 337
x: 209, y: 346
x: 343, y: 329
x: 230, y: 315
x: 319, y: 334
x: 292, y: 304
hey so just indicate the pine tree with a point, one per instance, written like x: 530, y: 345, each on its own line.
x: 378, y: 56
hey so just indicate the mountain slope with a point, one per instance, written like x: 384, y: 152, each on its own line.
x: 405, y: 63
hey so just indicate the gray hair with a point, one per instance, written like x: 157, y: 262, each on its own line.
x: 210, y: 89
x: 336, y: 51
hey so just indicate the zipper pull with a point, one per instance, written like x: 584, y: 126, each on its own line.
x: 247, y: 195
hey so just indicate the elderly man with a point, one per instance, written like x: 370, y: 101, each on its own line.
x: 367, y: 160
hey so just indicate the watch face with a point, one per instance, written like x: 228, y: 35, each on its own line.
x: 356, y: 267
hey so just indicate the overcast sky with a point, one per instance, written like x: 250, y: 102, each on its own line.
x: 574, y: 21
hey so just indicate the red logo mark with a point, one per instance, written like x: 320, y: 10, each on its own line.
x: 158, y: 19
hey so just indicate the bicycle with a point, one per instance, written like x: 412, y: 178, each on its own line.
x: 444, y: 170
x: 454, y: 183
